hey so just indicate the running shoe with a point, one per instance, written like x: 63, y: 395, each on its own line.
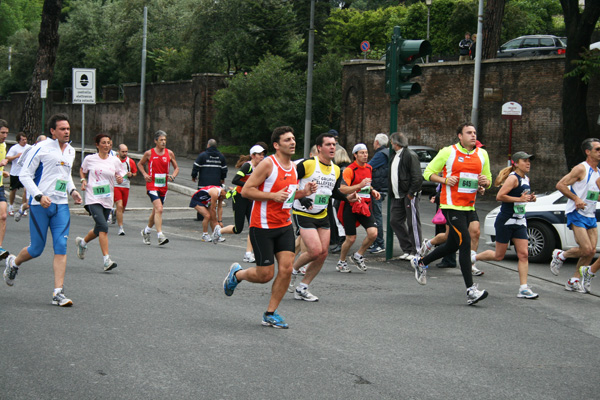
x: 121, y: 232
x: 230, y: 282
x: 249, y: 257
x: 474, y: 294
x: 81, y: 249
x: 359, y: 262
x: 302, y: 270
x: 3, y: 253
x: 376, y: 250
x: 475, y: 271
x: 274, y: 321
x: 426, y: 248
x: 342, y: 266
x: 556, y: 262
x: 216, y: 234
x: 18, y: 215
x: 291, y: 287
x: 405, y: 256
x: 162, y: 239
x: 59, y: 299
x: 305, y: 295
x: 109, y: 220
x: 113, y: 216
x: 527, y: 293
x: 575, y: 286
x: 24, y: 213
x: 206, y: 237
x: 420, y: 270
x: 587, y: 276
x: 109, y: 264
x: 11, y: 212
x: 145, y: 237
x: 10, y: 272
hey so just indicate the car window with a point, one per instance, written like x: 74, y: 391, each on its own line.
x: 546, y: 42
x: 530, y: 42
x: 425, y: 155
x: 513, y: 44
x: 561, y: 200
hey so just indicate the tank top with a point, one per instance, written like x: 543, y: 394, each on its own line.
x: 358, y: 174
x: 516, y: 211
x: 587, y: 190
x: 467, y: 167
x: 158, y: 169
x: 325, y: 182
x: 270, y: 214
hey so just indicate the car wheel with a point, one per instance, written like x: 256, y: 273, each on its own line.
x: 541, y: 241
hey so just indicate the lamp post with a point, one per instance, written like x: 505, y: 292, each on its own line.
x: 428, y: 3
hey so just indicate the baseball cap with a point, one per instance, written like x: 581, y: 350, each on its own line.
x: 256, y: 149
x: 359, y: 147
x: 333, y: 132
x: 521, y: 155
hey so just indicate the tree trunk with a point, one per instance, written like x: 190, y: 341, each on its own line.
x: 31, y: 122
x: 492, y: 28
x: 579, y: 27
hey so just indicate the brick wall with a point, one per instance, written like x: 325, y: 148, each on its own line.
x: 431, y: 117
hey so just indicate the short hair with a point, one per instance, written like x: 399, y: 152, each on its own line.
x: 159, y: 133
x: 382, y: 139
x: 461, y: 126
x: 3, y: 123
x: 41, y: 138
x: 321, y: 138
x: 280, y: 130
x: 20, y: 135
x: 587, y: 144
x: 101, y: 136
x: 211, y: 143
x: 399, y: 139
x: 55, y: 118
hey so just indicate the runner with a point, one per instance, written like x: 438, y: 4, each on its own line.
x: 242, y: 207
x: 310, y: 213
x: 122, y: 189
x: 580, y: 212
x: 511, y: 225
x: 102, y: 170
x: 464, y: 167
x: 357, y: 178
x: 272, y: 187
x: 206, y: 201
x: 13, y: 155
x: 3, y: 162
x: 50, y: 165
x: 157, y: 177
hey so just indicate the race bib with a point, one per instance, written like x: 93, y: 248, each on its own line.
x: 591, y: 196
x: 60, y: 189
x: 519, y: 209
x: 160, y: 180
x: 101, y: 189
x: 365, y: 192
x: 290, y: 199
x: 321, y: 200
x: 467, y: 183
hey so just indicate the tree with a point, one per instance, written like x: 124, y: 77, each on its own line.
x: 44, y: 67
x: 492, y: 28
x: 579, y: 25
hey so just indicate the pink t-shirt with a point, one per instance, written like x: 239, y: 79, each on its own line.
x: 101, y: 179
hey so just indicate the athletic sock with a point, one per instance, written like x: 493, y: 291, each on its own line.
x: 83, y: 243
x: 106, y: 257
x: 561, y: 256
x: 57, y: 290
x: 147, y: 230
x: 302, y: 286
x: 523, y: 287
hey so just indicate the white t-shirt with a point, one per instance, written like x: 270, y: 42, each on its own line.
x: 101, y: 178
x: 15, y: 168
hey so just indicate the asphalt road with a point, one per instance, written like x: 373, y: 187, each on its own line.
x: 159, y: 326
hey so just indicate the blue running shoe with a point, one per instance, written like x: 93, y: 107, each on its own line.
x: 274, y: 321
x: 3, y: 253
x: 230, y: 282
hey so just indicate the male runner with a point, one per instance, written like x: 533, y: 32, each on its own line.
x: 13, y: 155
x: 122, y: 189
x: 206, y: 201
x: 158, y: 159
x: 46, y: 175
x: 580, y: 212
x: 465, y: 167
x: 272, y: 187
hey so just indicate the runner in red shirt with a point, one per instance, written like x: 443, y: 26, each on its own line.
x: 122, y: 189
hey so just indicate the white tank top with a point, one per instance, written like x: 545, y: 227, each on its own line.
x: 587, y: 190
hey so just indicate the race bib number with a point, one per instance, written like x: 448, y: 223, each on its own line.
x: 60, y: 189
x: 160, y: 180
x: 467, y: 183
x: 321, y: 200
x: 290, y: 199
x: 101, y: 189
x: 519, y: 209
x: 591, y: 196
x: 365, y: 192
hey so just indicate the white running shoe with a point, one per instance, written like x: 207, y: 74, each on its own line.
x: 121, y: 232
x: 11, y: 212
x: 206, y: 237
x: 291, y: 287
x: 475, y: 271
x: 162, y: 239
x: 216, y: 236
x: 305, y: 295
x: 109, y: 264
x: 420, y: 270
x: 81, y: 249
x: 249, y: 258
x: 359, y: 262
x: 527, y: 293
x: 574, y: 286
x: 474, y: 294
x: 586, y: 275
x: 556, y: 262
x: 342, y: 266
x: 59, y: 299
x: 145, y: 237
x: 302, y: 270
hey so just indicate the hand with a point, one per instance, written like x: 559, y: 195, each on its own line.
x: 3, y: 162
x: 410, y: 196
x: 5, y: 174
x: 451, y: 180
x: 45, y: 201
x: 119, y: 179
x: 579, y: 204
x: 483, y: 180
x: 193, y: 179
x: 365, y: 182
x: 310, y: 188
x: 376, y: 195
x: 147, y: 178
x: 533, y: 198
x: 281, y: 196
x: 76, y: 196
x: 481, y: 190
x: 353, y: 197
x: 83, y: 185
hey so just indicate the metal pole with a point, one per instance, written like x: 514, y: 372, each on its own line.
x: 82, y: 132
x: 309, y: 80
x: 141, y: 130
x: 475, y: 110
x: 9, y: 56
x: 428, y: 9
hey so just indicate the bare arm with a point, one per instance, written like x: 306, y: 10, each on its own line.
x: 175, y: 166
x: 141, y: 166
x: 576, y: 175
x: 511, y: 183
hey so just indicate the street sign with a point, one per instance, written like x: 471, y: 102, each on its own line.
x: 44, y: 89
x: 84, y: 86
x: 511, y: 110
x: 365, y: 46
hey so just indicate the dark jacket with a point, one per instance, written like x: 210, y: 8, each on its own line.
x: 381, y: 167
x: 464, y: 46
x: 409, y: 174
x: 210, y: 168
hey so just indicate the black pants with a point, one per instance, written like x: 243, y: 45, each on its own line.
x: 242, y: 207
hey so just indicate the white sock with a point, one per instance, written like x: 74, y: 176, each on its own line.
x: 57, y: 290
x: 83, y: 243
x: 147, y: 230
x: 356, y: 255
x: 106, y: 257
x: 561, y: 256
x: 428, y: 244
x: 294, y: 271
x: 302, y: 286
x: 206, y: 233
x: 523, y: 287
x: 121, y: 227
x: 473, y: 257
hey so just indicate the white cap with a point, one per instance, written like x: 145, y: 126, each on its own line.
x: 256, y: 149
x: 359, y: 147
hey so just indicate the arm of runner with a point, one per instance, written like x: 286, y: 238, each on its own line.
x: 83, y: 179
x: 175, y: 166
x: 133, y: 168
x: 436, y: 166
x: 250, y: 189
x: 576, y: 174
x: 485, y: 178
x: 141, y: 167
x: 243, y: 171
x: 509, y: 184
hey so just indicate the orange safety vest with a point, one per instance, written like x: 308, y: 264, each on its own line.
x: 467, y: 167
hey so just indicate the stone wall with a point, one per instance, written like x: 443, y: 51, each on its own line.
x: 431, y: 117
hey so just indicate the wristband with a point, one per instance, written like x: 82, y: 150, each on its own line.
x: 83, y: 179
x: 71, y: 192
x: 446, y: 181
x: 219, y: 221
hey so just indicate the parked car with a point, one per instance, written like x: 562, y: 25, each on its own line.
x: 532, y: 46
x: 426, y: 154
x: 546, y: 226
x: 595, y: 46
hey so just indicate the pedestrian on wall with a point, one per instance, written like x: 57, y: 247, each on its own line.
x: 473, y: 47
x: 464, y: 46
x: 381, y: 167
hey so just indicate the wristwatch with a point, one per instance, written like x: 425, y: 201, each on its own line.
x: 38, y: 197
